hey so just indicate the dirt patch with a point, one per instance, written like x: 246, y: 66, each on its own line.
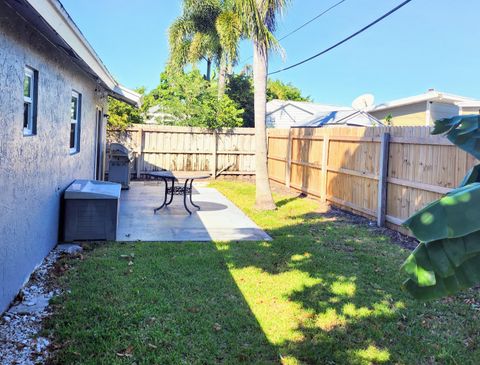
x: 327, y: 210
x: 397, y: 238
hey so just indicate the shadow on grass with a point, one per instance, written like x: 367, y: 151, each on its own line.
x: 324, y: 291
x: 342, y: 286
x: 281, y: 203
x: 163, y: 304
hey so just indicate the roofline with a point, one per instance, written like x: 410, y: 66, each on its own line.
x: 284, y: 103
x: 56, y: 16
x: 303, y: 102
x: 288, y: 102
x: 428, y: 96
x: 345, y: 119
x: 469, y: 104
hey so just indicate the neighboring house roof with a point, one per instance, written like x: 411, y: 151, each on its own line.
x: 469, y: 104
x: 51, y: 19
x: 155, y: 114
x: 350, y: 117
x: 430, y: 95
x: 309, y: 107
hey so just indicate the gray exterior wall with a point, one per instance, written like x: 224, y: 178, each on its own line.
x: 35, y: 170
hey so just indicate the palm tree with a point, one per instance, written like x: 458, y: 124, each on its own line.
x: 229, y: 29
x: 207, y: 30
x: 259, y: 18
x: 192, y: 39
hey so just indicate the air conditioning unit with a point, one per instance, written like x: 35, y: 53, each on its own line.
x: 91, y: 211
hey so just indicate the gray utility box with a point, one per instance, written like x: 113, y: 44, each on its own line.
x: 91, y: 211
x: 119, y: 165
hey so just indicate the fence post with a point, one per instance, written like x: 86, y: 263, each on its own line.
x: 382, y: 180
x: 289, y: 159
x: 139, y: 157
x: 214, y: 154
x: 324, y: 182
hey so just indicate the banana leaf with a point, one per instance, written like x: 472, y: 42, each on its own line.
x: 455, y: 215
x: 465, y: 276
x: 441, y: 259
x: 445, y: 125
x: 472, y: 176
x: 463, y: 131
x: 447, y: 259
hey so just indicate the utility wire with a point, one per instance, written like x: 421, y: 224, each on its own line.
x: 304, y: 25
x: 344, y: 40
x: 311, y: 20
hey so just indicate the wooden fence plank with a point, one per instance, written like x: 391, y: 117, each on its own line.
x: 214, y: 154
x: 324, y: 181
x: 288, y: 166
x: 357, y: 173
x: 189, y: 148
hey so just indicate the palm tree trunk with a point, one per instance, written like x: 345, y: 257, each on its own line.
x: 264, y: 200
x: 209, y: 69
x: 222, y: 77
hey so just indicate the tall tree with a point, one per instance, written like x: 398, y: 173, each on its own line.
x: 207, y: 30
x: 192, y: 36
x: 229, y: 28
x: 259, y: 18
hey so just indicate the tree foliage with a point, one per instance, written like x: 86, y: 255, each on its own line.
x: 277, y: 89
x: 190, y: 100
x: 240, y: 90
x: 207, y: 30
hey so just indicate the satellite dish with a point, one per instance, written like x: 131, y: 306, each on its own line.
x: 363, y: 102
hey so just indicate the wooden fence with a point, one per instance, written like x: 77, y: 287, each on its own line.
x: 384, y: 173
x: 226, y: 152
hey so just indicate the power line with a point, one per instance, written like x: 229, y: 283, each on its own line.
x: 344, y: 40
x: 304, y: 25
x: 311, y: 20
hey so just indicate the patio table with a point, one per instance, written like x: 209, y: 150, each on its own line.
x: 186, y: 189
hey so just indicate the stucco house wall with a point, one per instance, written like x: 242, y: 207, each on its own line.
x: 35, y: 170
x: 406, y: 115
x: 469, y: 110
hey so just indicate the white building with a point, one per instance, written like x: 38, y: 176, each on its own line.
x: 424, y: 109
x: 287, y: 113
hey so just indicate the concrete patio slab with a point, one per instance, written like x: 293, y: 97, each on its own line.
x: 217, y: 220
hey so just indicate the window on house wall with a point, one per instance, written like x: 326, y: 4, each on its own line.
x: 30, y: 102
x: 75, y: 122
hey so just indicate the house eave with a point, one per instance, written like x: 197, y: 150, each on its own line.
x: 51, y: 20
x: 433, y: 96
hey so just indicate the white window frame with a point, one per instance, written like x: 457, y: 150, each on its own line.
x: 76, y: 122
x: 29, y: 130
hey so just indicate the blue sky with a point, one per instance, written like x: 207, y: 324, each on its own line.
x: 426, y: 44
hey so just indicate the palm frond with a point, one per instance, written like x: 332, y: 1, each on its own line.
x: 229, y: 29
x: 259, y: 17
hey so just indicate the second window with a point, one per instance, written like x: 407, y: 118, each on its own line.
x: 75, y: 122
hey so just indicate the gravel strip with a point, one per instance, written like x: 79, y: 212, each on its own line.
x: 20, y: 325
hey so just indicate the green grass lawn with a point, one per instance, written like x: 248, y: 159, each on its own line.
x: 324, y: 291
